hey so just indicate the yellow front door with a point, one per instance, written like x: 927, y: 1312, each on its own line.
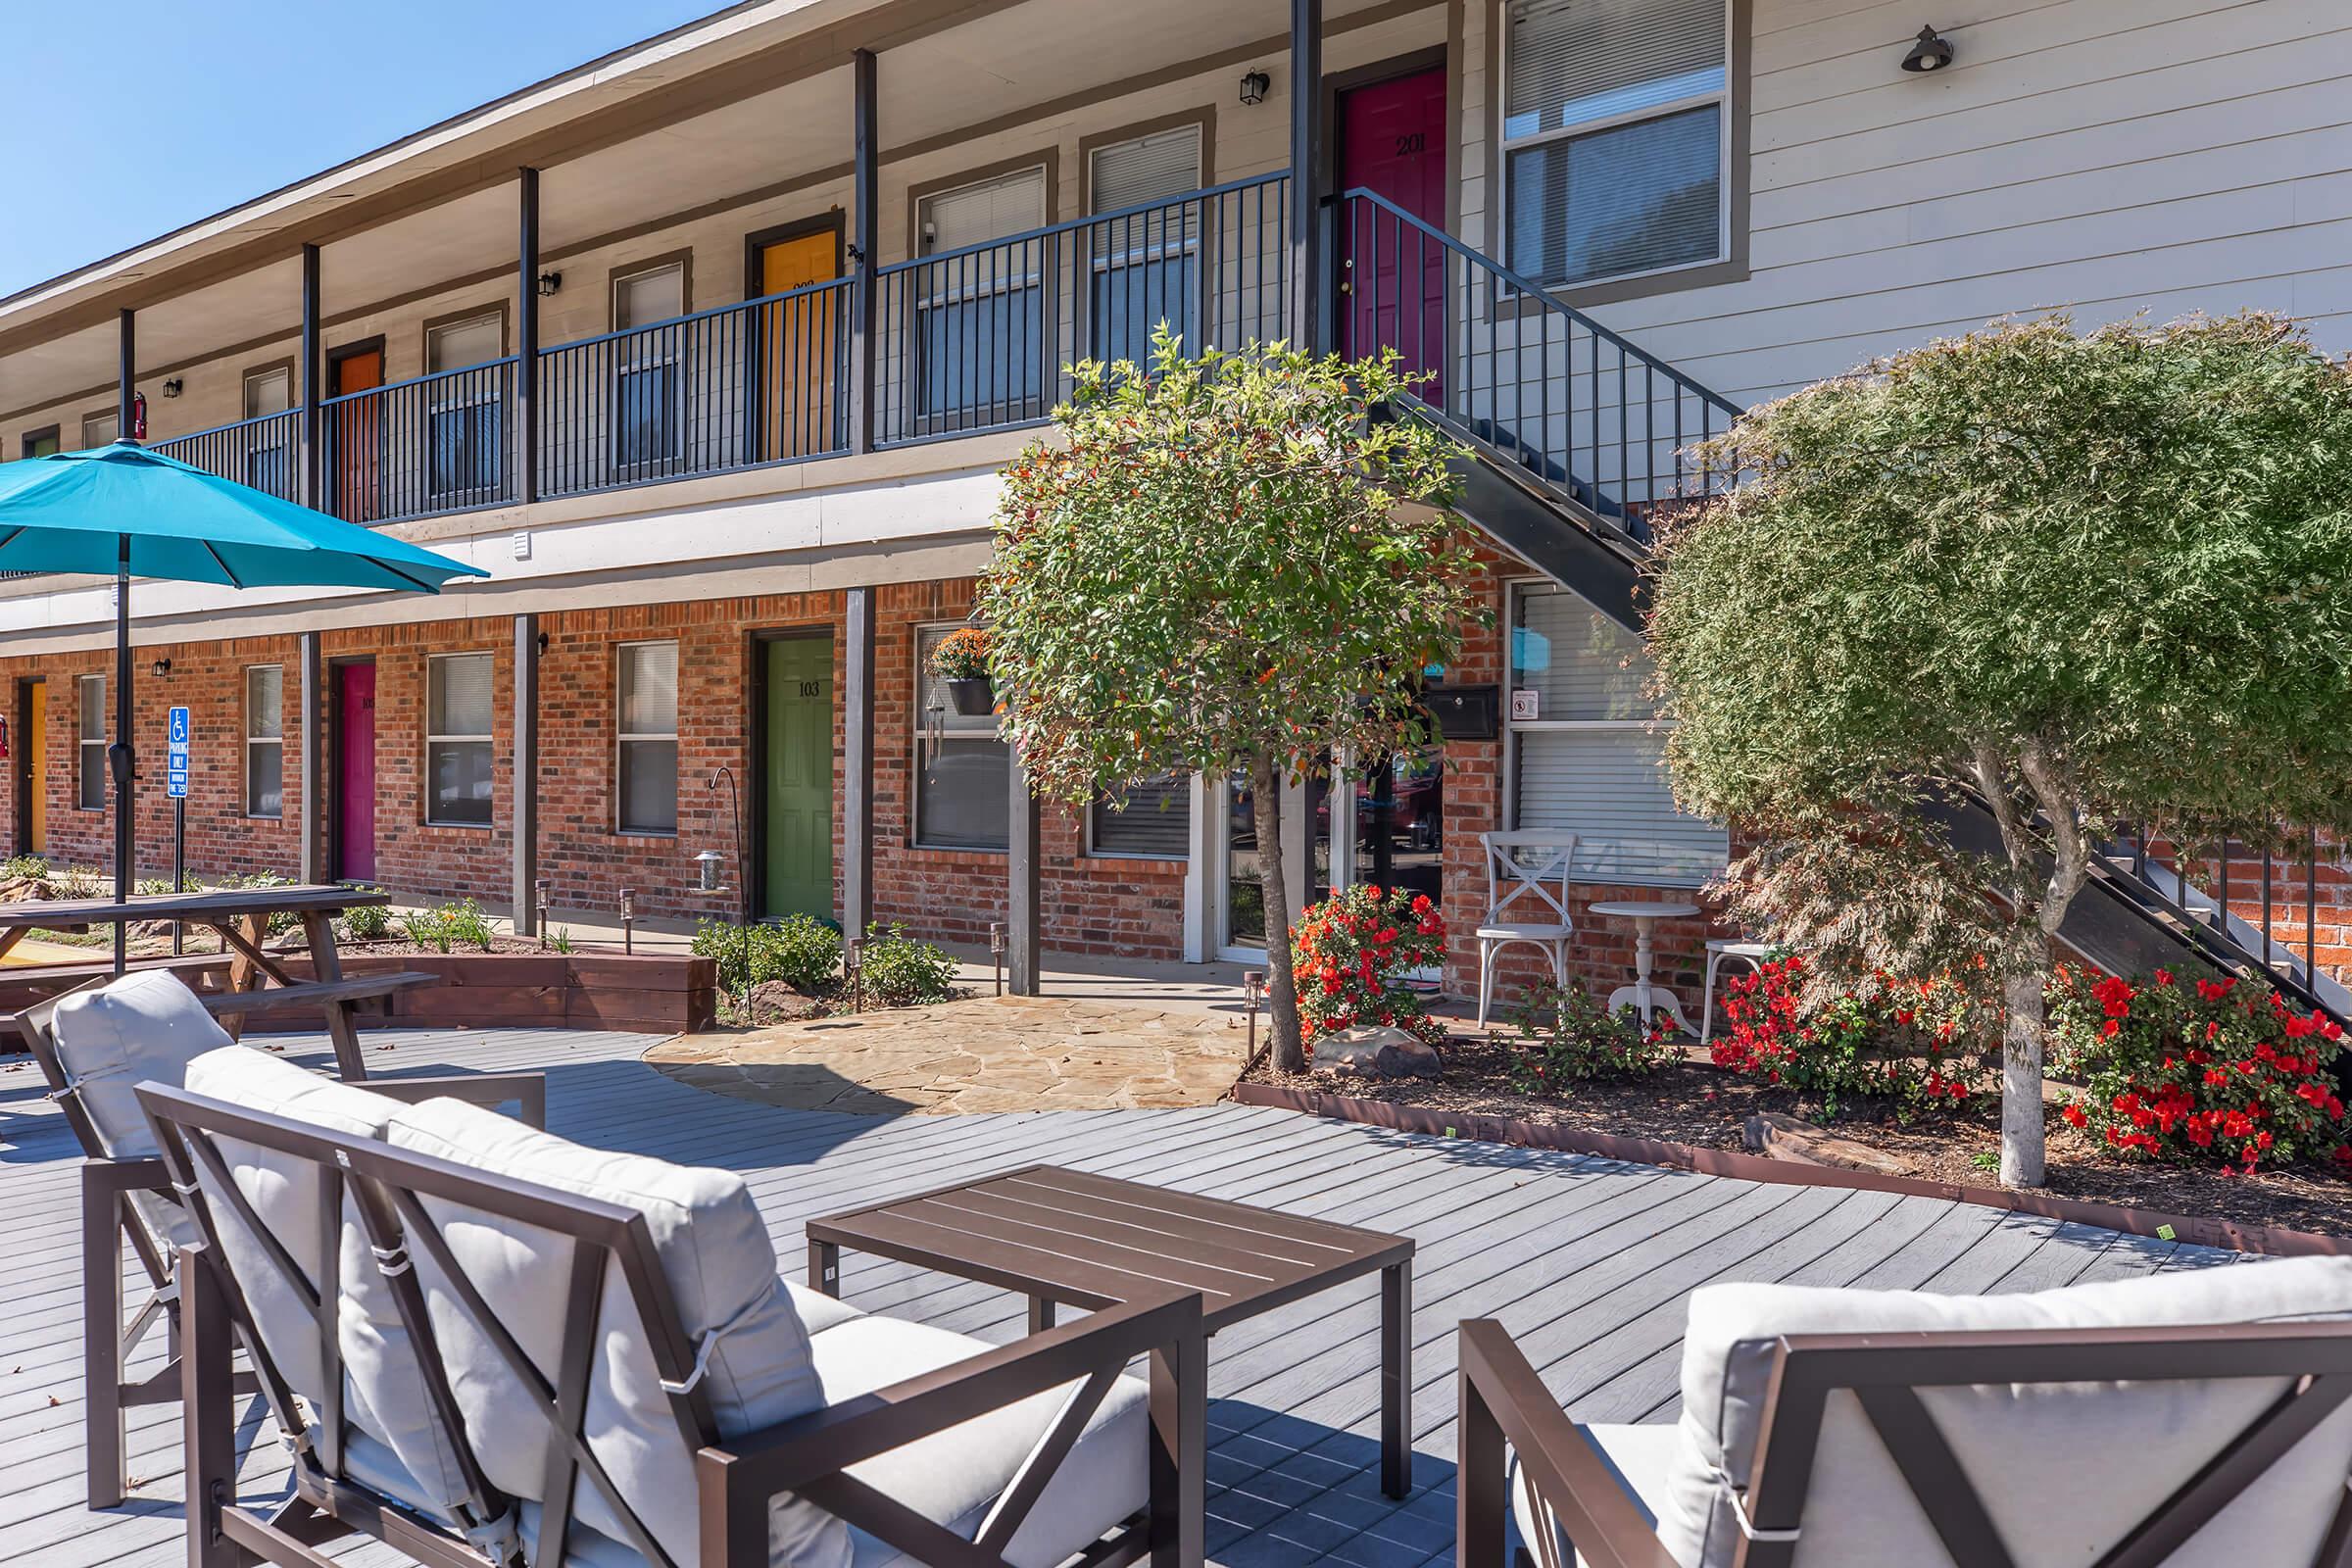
x: 36, y: 773
x: 797, y: 345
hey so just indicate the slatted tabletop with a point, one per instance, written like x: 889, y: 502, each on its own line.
x: 209, y: 908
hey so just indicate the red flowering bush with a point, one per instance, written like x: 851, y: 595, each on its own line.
x: 1905, y: 1042
x: 2201, y: 1067
x: 1568, y: 1036
x: 1347, y: 952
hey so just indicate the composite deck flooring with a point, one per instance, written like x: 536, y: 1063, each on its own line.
x: 1587, y: 1260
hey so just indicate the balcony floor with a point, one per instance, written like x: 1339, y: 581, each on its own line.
x: 1587, y: 1260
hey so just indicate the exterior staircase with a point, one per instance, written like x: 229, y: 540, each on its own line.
x: 1580, y: 439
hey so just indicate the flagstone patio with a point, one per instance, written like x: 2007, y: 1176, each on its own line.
x: 991, y: 1054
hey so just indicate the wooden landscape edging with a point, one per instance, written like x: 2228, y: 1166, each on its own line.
x: 2270, y: 1240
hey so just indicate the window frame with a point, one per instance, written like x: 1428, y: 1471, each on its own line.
x: 668, y: 354
x: 623, y: 739
x: 919, y: 739
x: 1100, y: 802
x: 1514, y: 589
x: 269, y: 451
x: 114, y: 413
x: 84, y: 769
x: 485, y: 483
x: 933, y: 291
x: 277, y: 740
x: 433, y: 664
x: 1095, y: 265
x: 33, y: 438
x: 1729, y: 264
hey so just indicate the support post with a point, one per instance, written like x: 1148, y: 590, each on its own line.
x: 119, y: 756
x: 525, y: 814
x: 1308, y: 162
x: 311, y: 681
x: 857, y: 762
x: 310, y: 496
x: 526, y: 343
x: 1022, y: 896
x: 866, y: 221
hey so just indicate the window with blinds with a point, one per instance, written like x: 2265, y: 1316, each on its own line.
x: 647, y: 384
x: 1150, y: 819
x: 1615, y: 136
x: 269, y: 454
x: 646, y: 695
x: 1588, y: 762
x: 962, y: 767
x: 458, y: 739
x: 90, y: 743
x: 1144, y: 267
x: 264, y: 740
x: 465, y: 450
x: 980, y: 335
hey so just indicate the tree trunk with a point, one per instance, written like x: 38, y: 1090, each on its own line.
x: 1281, y: 989
x: 2022, y: 1129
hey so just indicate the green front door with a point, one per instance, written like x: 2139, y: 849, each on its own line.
x: 797, y: 797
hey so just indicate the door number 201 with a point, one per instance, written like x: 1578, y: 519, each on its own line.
x: 1408, y: 145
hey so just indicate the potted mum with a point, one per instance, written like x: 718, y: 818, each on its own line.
x: 962, y: 661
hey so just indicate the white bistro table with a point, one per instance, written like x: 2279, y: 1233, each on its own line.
x: 1646, y: 999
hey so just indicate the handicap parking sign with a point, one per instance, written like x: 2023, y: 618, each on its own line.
x: 176, y: 747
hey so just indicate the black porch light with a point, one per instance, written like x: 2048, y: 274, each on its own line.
x: 1933, y: 52
x: 1255, y: 86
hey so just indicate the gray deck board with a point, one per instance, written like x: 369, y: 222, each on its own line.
x: 1588, y: 1262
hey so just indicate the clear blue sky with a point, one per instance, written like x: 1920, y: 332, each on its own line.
x: 122, y: 121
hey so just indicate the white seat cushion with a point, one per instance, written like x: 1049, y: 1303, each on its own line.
x: 953, y: 1477
x: 714, y: 1253
x: 1525, y: 931
x: 818, y: 1310
x: 135, y: 1028
x: 2065, y: 1470
x: 1641, y: 1456
x: 383, y: 1391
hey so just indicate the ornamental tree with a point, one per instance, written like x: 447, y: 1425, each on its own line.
x: 1230, y: 565
x: 2086, y: 579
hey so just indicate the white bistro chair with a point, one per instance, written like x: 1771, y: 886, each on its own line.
x: 1750, y: 953
x: 1527, y: 901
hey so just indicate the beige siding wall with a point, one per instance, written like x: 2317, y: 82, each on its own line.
x: 2105, y: 157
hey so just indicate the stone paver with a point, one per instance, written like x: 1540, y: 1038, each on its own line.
x: 988, y: 1053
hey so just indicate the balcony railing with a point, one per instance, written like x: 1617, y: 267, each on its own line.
x: 263, y: 452
x: 977, y: 338
x: 416, y: 449
x: 741, y: 386
x: 968, y: 341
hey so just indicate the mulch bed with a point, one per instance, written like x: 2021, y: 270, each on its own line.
x: 1696, y: 1103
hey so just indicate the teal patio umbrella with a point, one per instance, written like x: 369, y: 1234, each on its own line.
x: 124, y: 510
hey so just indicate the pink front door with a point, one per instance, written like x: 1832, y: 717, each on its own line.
x: 355, y: 772
x: 1392, y: 140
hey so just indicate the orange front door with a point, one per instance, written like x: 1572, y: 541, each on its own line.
x: 797, y: 337
x: 356, y: 437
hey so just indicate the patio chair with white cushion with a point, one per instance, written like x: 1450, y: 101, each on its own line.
x: 1526, y: 901
x: 92, y: 1044
x: 516, y: 1352
x: 2197, y: 1420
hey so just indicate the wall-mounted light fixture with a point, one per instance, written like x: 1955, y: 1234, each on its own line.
x: 173, y: 386
x: 1254, y: 85
x: 160, y: 668
x: 1933, y: 52
x: 549, y: 283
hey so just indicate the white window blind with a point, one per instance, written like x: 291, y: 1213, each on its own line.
x: 1614, y: 119
x: 1150, y: 819
x: 91, y: 692
x: 462, y: 343
x: 265, y: 740
x: 643, y: 298
x: 268, y: 391
x: 1149, y: 169
x: 647, y: 700
x: 101, y: 430
x: 1588, y: 761
x: 989, y: 208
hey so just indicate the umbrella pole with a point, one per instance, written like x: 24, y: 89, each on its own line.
x: 118, y: 756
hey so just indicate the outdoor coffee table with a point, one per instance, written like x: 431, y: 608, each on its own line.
x: 1066, y: 1238
x: 1649, y: 1000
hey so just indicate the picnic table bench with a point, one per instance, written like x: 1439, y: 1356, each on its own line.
x: 258, y: 979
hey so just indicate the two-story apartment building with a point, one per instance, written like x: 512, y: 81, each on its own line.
x: 708, y: 350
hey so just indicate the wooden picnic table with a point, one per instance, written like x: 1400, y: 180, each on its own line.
x: 258, y: 979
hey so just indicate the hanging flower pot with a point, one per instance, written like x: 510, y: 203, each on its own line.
x: 961, y: 662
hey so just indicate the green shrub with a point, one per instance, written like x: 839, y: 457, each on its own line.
x: 24, y: 869
x: 1569, y: 1036
x: 366, y: 922
x: 561, y: 940
x: 896, y: 970
x: 798, y: 949
x: 151, y: 886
